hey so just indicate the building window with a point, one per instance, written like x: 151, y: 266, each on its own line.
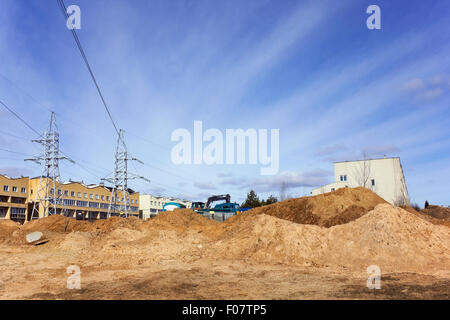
x: 103, y: 198
x: 59, y: 192
x: 23, y: 190
x: 5, y: 188
x: 72, y: 193
x: 107, y: 198
x: 85, y: 195
x: 79, y: 194
x: 135, y: 201
x: 373, y: 182
x: 96, y: 196
x: 343, y: 178
x: 14, y: 189
x: 66, y: 193
x: 52, y: 191
x: 91, y: 196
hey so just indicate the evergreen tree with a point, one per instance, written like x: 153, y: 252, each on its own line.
x: 271, y: 199
x: 252, y: 200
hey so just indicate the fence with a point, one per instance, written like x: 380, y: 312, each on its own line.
x: 218, y: 216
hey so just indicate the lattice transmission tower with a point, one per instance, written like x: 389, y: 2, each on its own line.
x: 120, y: 196
x: 49, y: 193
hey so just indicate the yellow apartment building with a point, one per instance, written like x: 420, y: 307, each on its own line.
x: 13, y: 198
x: 81, y: 201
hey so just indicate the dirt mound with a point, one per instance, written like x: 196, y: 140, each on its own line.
x: 56, y: 223
x: 180, y: 220
x: 76, y: 241
x: 392, y: 238
x: 437, y: 212
x: 263, y: 238
x: 7, y: 227
x: 428, y: 217
x: 328, y: 209
x: 9, y: 231
x: 108, y: 225
x: 387, y: 236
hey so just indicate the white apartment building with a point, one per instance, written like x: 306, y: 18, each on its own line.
x: 150, y: 205
x: 383, y: 176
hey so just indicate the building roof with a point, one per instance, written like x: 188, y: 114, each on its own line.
x: 8, y: 177
x: 164, y: 197
x: 367, y: 159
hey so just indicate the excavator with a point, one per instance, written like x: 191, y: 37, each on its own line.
x: 221, y: 211
x: 212, y: 199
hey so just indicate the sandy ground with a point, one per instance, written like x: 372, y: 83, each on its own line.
x: 27, y: 274
x: 182, y: 255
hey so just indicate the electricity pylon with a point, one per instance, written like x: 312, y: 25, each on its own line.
x: 119, y: 192
x: 48, y: 195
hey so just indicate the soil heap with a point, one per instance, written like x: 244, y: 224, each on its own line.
x: 437, y: 212
x: 387, y: 236
x: 328, y: 209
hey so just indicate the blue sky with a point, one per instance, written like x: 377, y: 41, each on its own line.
x: 312, y: 69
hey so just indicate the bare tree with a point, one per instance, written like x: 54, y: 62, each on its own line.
x: 363, y: 172
x: 283, y: 191
x: 401, y: 200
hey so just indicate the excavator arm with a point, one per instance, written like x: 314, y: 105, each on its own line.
x: 212, y: 199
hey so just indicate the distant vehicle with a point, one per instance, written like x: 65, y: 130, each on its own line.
x: 170, y: 206
x: 220, y: 211
x: 197, y: 206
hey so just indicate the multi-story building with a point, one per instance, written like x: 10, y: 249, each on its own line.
x: 81, y: 201
x: 383, y: 176
x: 13, y: 198
x: 150, y: 205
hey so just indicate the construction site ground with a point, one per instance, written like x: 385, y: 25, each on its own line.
x: 307, y: 248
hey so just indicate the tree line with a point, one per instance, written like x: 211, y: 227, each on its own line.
x: 253, y: 201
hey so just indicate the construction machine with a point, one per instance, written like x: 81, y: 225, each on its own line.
x: 212, y: 199
x: 219, y: 212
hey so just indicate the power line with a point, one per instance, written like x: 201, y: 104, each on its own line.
x: 29, y: 126
x: 34, y: 130
x: 168, y: 172
x: 16, y: 152
x: 147, y: 140
x: 186, y: 178
x: 12, y: 135
x: 18, y: 117
x: 39, y: 104
x: 26, y: 93
x: 80, y: 48
x: 17, y: 137
x: 77, y: 162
